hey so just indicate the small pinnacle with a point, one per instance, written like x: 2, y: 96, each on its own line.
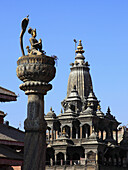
x: 99, y: 107
x: 50, y: 108
x: 61, y: 110
x: 108, y: 111
x: 80, y: 48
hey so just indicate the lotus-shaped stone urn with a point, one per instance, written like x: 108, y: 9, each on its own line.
x: 36, y: 71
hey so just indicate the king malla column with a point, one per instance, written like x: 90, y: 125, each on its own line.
x: 36, y: 70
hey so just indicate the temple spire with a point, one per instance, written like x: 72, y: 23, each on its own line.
x: 79, y: 53
x: 80, y: 48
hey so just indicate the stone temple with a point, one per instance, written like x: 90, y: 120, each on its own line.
x: 82, y: 137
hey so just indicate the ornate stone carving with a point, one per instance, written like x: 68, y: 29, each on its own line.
x: 36, y: 68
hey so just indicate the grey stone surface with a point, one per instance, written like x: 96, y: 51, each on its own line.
x: 82, y: 136
x: 36, y: 71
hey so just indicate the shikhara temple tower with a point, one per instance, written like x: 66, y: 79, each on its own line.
x: 82, y: 136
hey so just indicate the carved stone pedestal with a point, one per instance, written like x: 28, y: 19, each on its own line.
x: 35, y: 71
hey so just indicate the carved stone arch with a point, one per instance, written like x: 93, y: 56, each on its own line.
x: 85, y: 130
x: 60, y: 158
x: 67, y: 130
x: 49, y: 155
x: 75, y: 158
x: 48, y: 133
x: 48, y: 128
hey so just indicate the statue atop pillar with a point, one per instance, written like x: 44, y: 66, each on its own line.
x: 36, y: 46
x: 36, y: 70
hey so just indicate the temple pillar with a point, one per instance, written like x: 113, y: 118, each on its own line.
x: 36, y: 77
x: 57, y: 134
x: 90, y: 130
x: 35, y: 133
x: 71, y: 132
x: 61, y: 162
x: 55, y: 159
x: 85, y: 158
x: 52, y: 135
x: 96, y: 157
x: 65, y: 158
x: 61, y: 130
x: 80, y: 132
x: 51, y: 161
x: 70, y: 159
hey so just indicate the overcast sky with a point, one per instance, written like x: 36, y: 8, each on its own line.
x: 102, y: 25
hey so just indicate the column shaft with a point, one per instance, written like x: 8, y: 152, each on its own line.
x: 35, y: 136
x: 81, y: 132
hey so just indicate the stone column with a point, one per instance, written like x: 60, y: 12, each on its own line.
x: 52, y: 135
x: 35, y: 132
x: 57, y: 134
x: 71, y: 132
x: 36, y: 71
x: 81, y: 132
x: 51, y: 161
x: 61, y: 130
x: 85, y: 158
x: 96, y: 158
x: 65, y: 158
x: 49, y: 134
x: 90, y: 130
x: 55, y: 159
x: 71, y: 162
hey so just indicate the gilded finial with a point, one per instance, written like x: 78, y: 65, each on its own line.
x: 61, y: 110
x: 50, y: 108
x: 98, y: 107
x: 80, y: 48
x: 64, y: 131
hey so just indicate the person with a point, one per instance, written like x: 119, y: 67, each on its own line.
x: 36, y: 46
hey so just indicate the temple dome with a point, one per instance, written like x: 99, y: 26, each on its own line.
x: 51, y: 113
x: 80, y: 75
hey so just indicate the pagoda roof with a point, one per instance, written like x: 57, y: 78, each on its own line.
x: 11, y: 136
x: 7, y: 95
x: 9, y: 153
